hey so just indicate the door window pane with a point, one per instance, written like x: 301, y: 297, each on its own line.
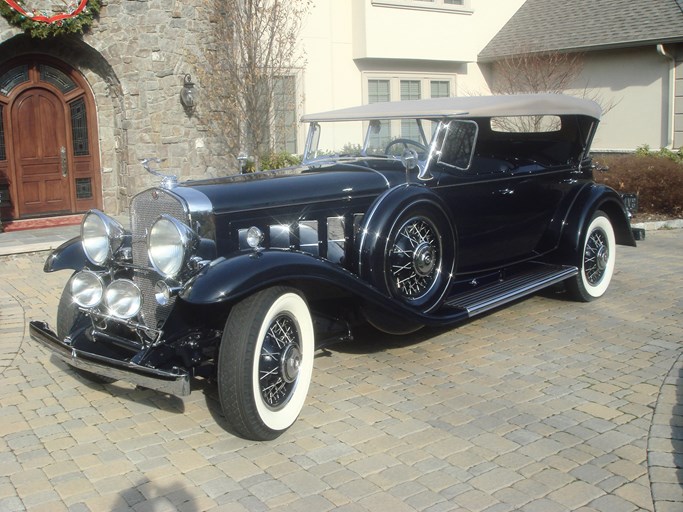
x: 79, y: 127
x: 83, y: 188
x: 10, y: 79
x: 3, y: 153
x: 57, y: 78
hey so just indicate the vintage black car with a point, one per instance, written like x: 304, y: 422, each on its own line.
x: 478, y: 202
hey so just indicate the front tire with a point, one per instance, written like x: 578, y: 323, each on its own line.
x: 265, y: 363
x: 598, y: 257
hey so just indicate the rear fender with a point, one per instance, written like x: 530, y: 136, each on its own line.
x: 591, y: 199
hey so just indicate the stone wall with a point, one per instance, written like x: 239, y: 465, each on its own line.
x: 135, y: 58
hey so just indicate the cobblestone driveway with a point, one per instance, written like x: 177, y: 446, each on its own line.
x: 545, y: 405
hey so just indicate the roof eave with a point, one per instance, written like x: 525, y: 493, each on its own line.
x: 585, y: 48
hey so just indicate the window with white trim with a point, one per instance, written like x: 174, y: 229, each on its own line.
x: 378, y: 91
x: 404, y: 88
x: 455, y: 6
x: 284, y: 129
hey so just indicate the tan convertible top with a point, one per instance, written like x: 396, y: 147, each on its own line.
x: 464, y: 106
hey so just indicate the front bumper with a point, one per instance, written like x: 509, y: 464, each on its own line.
x: 174, y: 383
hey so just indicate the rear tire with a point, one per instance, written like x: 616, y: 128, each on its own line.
x: 265, y: 363
x: 597, y: 257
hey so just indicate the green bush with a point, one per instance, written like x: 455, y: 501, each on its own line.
x: 274, y: 161
x: 676, y: 156
x: 657, y: 178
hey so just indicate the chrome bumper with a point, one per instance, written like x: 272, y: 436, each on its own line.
x: 166, y: 382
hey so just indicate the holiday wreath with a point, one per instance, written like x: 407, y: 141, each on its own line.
x: 74, y: 18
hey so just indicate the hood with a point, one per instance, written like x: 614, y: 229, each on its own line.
x: 298, y: 186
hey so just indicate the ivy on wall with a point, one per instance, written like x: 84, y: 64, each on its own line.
x: 76, y: 18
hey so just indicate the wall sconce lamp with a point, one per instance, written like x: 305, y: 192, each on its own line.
x: 188, y: 95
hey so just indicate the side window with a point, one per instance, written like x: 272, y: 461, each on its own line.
x: 459, y: 139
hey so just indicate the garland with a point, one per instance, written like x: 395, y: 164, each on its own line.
x: 75, y: 19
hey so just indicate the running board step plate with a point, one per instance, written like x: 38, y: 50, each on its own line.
x: 528, y: 281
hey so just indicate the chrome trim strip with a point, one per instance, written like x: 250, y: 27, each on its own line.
x: 166, y: 382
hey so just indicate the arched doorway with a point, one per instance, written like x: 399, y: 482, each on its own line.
x: 49, y: 153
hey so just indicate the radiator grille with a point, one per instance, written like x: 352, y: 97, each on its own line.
x: 144, y: 210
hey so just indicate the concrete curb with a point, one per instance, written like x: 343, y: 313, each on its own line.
x: 661, y: 224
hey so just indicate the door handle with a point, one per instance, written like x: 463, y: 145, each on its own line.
x: 506, y: 191
x: 63, y: 162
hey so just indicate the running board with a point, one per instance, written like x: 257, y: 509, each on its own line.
x: 489, y: 296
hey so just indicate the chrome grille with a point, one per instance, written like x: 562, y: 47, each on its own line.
x: 144, y: 210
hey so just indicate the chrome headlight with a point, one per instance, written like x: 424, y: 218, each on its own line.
x: 87, y: 289
x: 101, y: 237
x: 123, y: 298
x: 170, y: 243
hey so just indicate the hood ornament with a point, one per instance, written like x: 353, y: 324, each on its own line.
x: 168, y: 181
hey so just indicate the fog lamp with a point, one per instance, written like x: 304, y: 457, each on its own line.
x: 87, y: 289
x: 123, y: 298
x: 254, y: 237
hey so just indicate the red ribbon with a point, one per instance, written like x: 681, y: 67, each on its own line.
x: 48, y: 19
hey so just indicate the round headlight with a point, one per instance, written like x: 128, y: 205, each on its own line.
x: 101, y: 236
x: 87, y: 289
x: 169, y: 243
x: 123, y: 298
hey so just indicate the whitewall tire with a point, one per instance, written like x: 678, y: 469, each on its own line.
x: 265, y: 363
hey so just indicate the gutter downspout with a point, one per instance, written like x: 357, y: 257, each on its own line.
x: 672, y: 94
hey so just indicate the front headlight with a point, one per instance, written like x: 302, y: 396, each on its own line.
x: 101, y: 237
x: 170, y: 243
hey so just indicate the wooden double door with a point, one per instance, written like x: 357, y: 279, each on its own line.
x: 50, y: 163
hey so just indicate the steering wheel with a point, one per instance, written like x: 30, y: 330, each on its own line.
x: 422, y: 149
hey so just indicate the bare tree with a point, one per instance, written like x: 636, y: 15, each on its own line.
x: 253, y: 57
x: 532, y: 73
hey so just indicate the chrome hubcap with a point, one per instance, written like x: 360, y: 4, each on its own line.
x: 423, y: 259
x: 291, y: 362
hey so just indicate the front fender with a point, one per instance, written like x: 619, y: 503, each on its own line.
x: 231, y: 279
x: 228, y: 279
x: 69, y: 255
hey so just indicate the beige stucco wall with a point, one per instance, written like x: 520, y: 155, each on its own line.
x: 633, y: 87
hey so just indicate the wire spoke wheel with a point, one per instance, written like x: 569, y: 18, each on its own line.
x: 596, y: 256
x: 597, y: 259
x: 279, y: 362
x: 415, y: 258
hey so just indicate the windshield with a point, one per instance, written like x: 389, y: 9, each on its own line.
x: 363, y: 139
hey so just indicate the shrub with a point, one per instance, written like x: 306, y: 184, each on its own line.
x: 656, y: 177
x: 274, y: 161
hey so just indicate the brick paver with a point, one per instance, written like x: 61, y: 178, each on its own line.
x: 545, y: 405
